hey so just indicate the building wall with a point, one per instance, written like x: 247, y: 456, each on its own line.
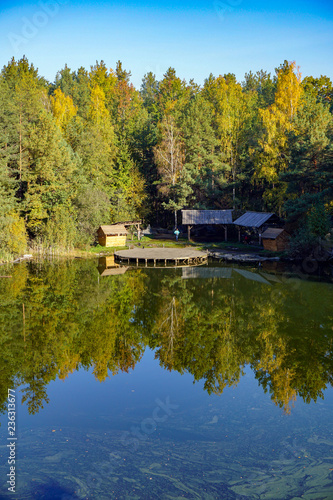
x: 107, y: 261
x: 282, y: 244
x: 115, y: 241
x: 278, y: 245
x: 102, y: 239
x: 270, y: 245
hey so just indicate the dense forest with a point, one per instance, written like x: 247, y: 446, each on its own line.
x: 90, y: 149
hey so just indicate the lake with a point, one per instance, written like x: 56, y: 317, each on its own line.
x: 212, y: 382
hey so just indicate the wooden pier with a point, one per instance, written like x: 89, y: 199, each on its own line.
x: 162, y: 256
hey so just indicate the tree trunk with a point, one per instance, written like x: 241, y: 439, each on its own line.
x: 20, y: 146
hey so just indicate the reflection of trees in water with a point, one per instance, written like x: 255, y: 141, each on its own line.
x: 210, y: 328
x: 168, y: 328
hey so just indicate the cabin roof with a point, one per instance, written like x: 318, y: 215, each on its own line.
x: 113, y: 229
x: 272, y: 233
x: 253, y: 219
x: 193, y: 217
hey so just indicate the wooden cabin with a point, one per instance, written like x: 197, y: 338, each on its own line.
x: 113, y: 235
x: 275, y: 239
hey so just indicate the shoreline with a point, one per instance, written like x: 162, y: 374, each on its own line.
x: 231, y: 254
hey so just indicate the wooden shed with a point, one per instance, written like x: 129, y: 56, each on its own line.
x: 113, y: 235
x: 275, y: 239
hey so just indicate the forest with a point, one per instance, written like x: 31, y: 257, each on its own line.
x: 90, y: 148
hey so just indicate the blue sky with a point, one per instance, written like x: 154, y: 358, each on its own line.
x: 195, y: 37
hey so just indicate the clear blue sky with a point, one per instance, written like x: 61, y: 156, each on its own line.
x: 195, y: 37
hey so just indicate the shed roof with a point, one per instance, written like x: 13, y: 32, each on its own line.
x: 253, y: 219
x: 206, y: 217
x: 272, y: 233
x: 113, y: 229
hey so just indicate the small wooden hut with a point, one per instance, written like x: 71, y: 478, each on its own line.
x: 275, y: 239
x: 113, y: 235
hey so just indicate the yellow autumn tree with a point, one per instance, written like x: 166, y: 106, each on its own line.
x: 232, y: 114
x: 277, y: 121
x: 99, y: 115
x: 97, y: 110
x: 63, y: 108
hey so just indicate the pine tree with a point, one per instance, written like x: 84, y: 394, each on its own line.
x: 309, y: 174
x: 203, y: 170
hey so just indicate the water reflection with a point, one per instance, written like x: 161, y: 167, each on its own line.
x: 209, y: 321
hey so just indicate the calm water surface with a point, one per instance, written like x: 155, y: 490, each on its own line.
x: 198, y: 383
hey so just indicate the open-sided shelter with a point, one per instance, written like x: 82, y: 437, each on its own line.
x: 275, y: 239
x: 113, y: 235
x: 192, y: 218
x: 255, y: 221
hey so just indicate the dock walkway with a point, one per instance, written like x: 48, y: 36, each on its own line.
x: 177, y: 256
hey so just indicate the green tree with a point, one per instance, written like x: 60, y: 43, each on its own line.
x: 203, y: 168
x: 149, y: 92
x: 309, y: 173
x: 50, y: 180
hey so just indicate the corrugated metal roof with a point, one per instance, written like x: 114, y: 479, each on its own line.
x: 192, y: 217
x: 253, y: 219
x: 272, y: 233
x: 113, y: 229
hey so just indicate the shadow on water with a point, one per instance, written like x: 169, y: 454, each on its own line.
x: 53, y: 491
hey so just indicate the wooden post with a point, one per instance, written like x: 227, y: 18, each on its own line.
x: 225, y: 233
x: 239, y: 236
x: 189, y: 232
x: 260, y: 236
